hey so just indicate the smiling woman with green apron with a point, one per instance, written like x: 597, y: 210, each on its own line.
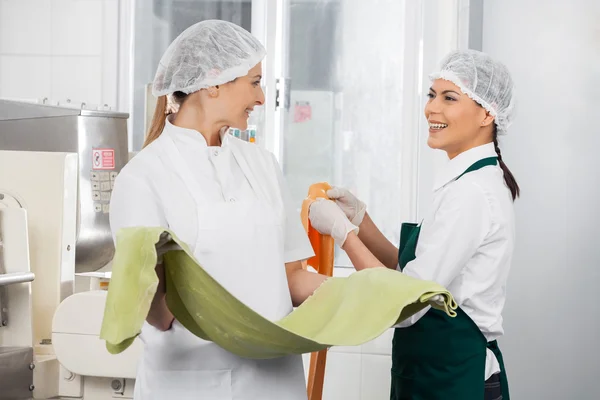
x: 465, y: 242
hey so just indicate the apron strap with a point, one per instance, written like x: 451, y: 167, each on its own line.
x: 480, y: 164
x: 493, y: 346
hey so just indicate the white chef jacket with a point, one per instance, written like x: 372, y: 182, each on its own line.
x: 466, y: 242
x: 151, y: 191
x: 148, y: 193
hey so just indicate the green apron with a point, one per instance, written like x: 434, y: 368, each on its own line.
x: 440, y: 357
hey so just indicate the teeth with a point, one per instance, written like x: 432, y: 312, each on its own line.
x: 438, y: 126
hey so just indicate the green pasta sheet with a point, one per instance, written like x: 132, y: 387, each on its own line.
x: 342, y: 311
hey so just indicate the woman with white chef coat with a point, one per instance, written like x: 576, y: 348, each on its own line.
x: 226, y: 198
x: 465, y: 242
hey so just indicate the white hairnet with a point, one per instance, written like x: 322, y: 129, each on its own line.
x: 206, y: 54
x: 483, y: 79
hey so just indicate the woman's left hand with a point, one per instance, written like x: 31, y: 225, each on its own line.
x: 329, y: 219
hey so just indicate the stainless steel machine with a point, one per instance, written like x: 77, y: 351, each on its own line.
x: 58, y: 165
x: 100, y: 140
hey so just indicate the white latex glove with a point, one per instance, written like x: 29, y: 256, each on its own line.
x: 329, y: 219
x: 349, y: 203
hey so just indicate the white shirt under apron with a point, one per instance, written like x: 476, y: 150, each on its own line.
x: 466, y: 242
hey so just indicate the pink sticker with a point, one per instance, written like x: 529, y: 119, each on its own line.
x: 103, y: 159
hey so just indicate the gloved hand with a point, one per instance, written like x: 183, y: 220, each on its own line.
x: 329, y: 219
x: 350, y: 204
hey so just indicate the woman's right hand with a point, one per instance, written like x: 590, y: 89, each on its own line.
x: 353, y: 208
x: 328, y: 219
x: 159, y: 315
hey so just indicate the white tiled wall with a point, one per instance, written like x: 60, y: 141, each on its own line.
x: 60, y: 49
x: 357, y: 373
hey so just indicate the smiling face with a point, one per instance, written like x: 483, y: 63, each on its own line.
x: 456, y: 122
x: 238, y: 98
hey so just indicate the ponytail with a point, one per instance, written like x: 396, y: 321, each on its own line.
x: 163, y: 108
x: 158, y: 121
x: 509, y: 178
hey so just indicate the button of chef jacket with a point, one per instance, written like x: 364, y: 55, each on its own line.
x: 215, y: 153
x: 232, y: 199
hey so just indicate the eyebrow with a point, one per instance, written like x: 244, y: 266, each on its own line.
x: 445, y: 91
x: 258, y: 76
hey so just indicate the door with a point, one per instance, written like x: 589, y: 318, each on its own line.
x: 348, y: 100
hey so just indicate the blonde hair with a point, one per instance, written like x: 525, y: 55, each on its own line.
x: 158, y: 121
x: 164, y: 107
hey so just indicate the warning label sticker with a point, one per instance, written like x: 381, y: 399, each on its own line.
x: 103, y: 159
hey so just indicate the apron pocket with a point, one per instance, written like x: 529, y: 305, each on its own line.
x: 190, y: 385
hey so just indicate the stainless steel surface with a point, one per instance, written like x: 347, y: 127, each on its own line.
x: 16, y: 277
x: 16, y: 374
x: 35, y: 127
x: 9, y: 279
x: 10, y: 110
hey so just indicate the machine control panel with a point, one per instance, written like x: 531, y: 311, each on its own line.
x: 102, y: 178
x: 102, y: 182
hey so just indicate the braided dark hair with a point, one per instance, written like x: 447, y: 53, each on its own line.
x: 509, y: 178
